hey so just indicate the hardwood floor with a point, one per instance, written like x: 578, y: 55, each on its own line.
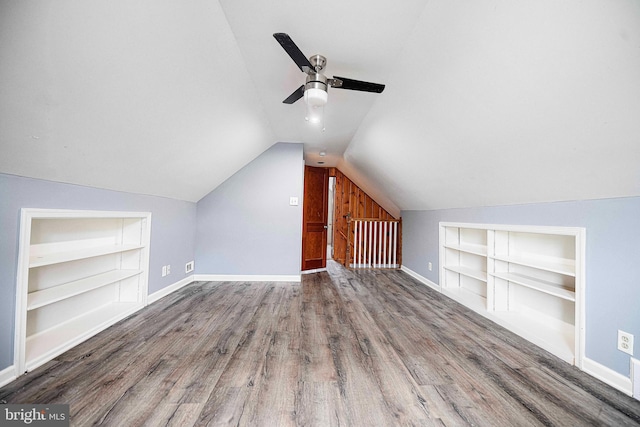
x: 361, y: 348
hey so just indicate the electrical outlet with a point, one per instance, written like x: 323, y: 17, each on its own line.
x: 430, y: 267
x: 168, y: 270
x: 625, y: 342
x: 164, y: 270
x: 188, y: 268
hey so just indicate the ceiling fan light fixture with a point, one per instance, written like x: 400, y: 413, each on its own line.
x: 315, y: 97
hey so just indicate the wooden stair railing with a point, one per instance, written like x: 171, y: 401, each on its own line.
x: 374, y: 243
x: 350, y: 201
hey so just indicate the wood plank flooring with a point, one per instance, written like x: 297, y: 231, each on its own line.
x: 364, y: 348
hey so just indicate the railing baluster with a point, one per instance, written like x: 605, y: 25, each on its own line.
x: 375, y: 243
x: 365, y: 233
x: 384, y: 246
x: 355, y: 240
x: 389, y: 245
x: 360, y: 226
x: 368, y: 260
x: 376, y: 255
x: 395, y: 243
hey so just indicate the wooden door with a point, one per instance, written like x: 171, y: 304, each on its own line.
x: 314, y: 218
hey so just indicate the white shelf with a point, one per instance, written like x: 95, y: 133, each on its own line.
x: 470, y: 272
x: 532, y: 276
x: 555, y: 336
x: 554, y: 265
x: 71, y: 301
x: 54, y: 341
x: 539, y: 285
x: 77, y: 254
x: 463, y: 296
x: 468, y: 248
x: 54, y: 294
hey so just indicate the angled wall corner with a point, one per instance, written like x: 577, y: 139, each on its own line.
x: 246, y: 226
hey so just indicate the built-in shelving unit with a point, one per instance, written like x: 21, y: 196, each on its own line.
x: 79, y: 272
x: 464, y: 251
x: 529, y: 279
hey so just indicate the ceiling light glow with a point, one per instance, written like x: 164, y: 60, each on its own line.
x: 315, y: 99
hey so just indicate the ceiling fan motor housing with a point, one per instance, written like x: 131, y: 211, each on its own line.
x: 315, y: 90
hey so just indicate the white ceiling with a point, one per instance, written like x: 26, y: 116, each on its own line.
x: 517, y: 102
x: 148, y: 96
x: 487, y: 102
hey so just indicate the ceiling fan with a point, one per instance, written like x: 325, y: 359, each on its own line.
x: 315, y: 88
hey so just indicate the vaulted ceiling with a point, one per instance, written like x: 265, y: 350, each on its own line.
x: 487, y: 102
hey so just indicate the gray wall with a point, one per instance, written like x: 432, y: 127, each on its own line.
x: 612, y: 259
x: 246, y: 226
x: 172, y: 234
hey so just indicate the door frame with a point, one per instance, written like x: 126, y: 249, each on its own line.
x: 310, y: 226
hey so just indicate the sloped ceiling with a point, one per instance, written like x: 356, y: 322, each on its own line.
x: 487, y: 102
x: 507, y: 102
x: 144, y: 96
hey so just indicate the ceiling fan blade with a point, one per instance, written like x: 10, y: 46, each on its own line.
x: 294, y: 52
x: 357, y: 85
x: 299, y: 93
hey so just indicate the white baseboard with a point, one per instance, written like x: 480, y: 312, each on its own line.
x: 315, y: 270
x: 607, y: 375
x: 169, y: 289
x: 421, y: 278
x: 247, y: 278
x: 591, y: 367
x: 7, y: 375
x: 635, y: 375
x: 219, y: 278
